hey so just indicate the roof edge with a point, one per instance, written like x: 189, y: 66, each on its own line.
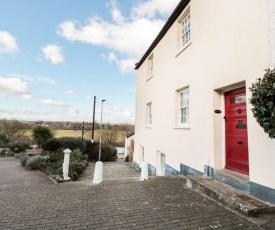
x: 180, y: 7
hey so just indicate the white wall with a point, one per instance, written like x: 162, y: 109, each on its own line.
x: 230, y: 44
x: 271, y: 12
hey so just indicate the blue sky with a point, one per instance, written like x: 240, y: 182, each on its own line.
x: 55, y: 56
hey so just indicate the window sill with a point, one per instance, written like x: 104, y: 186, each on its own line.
x: 185, y: 127
x: 183, y: 48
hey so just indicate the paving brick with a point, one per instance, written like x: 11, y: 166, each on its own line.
x: 120, y: 202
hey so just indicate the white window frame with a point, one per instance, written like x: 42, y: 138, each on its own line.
x: 184, y: 107
x: 149, y: 114
x: 185, y: 31
x: 151, y: 66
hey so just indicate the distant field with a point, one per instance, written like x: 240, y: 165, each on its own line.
x: 77, y: 133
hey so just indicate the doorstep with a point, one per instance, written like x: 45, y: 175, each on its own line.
x: 233, y: 198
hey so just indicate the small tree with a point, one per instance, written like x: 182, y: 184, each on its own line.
x: 263, y: 102
x: 41, y: 134
x: 52, y: 145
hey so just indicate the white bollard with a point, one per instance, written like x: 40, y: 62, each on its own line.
x: 144, y: 171
x: 66, y: 164
x: 98, y: 174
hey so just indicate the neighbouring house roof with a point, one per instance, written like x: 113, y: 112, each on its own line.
x: 176, y: 13
x: 130, y: 134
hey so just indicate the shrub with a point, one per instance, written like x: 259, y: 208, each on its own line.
x: 19, y: 147
x: 36, y: 162
x: 59, y: 171
x: 263, y: 102
x: 78, y: 156
x: 76, y: 169
x: 7, y: 152
x: 24, y: 160
x: 107, y: 154
x: 72, y: 143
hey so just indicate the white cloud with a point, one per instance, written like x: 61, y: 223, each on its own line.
x: 69, y: 92
x: 13, y: 85
x: 127, y: 114
x: 29, y: 78
x: 73, y: 110
x: 127, y: 38
x: 26, y: 96
x: 125, y: 65
x: 53, y: 53
x: 7, y: 43
x: 52, y: 102
x: 152, y: 7
x: 115, y: 11
x: 47, y: 80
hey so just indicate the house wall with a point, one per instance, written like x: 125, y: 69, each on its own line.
x: 271, y: 12
x: 229, y: 48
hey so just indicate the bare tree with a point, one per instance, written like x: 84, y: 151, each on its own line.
x: 125, y: 129
x: 110, y: 136
x: 13, y: 129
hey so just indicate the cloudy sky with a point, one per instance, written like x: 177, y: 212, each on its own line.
x: 55, y: 56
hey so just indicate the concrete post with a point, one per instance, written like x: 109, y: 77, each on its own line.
x: 144, y: 171
x: 98, y: 174
x: 66, y: 164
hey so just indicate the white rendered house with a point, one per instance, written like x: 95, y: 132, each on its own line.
x: 192, y: 107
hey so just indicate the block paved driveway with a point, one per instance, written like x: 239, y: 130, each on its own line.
x: 120, y: 202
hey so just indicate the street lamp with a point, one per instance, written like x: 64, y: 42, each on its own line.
x: 100, y: 130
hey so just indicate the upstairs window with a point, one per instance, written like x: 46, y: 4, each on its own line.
x: 185, y: 35
x: 149, y: 115
x: 151, y: 66
x: 184, y: 108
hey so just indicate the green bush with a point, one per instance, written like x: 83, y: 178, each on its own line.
x: 107, y: 154
x: 72, y: 143
x: 19, y: 147
x: 77, y: 155
x: 35, y: 162
x: 263, y: 102
x: 76, y: 168
x: 7, y: 152
x: 59, y: 171
x: 24, y: 160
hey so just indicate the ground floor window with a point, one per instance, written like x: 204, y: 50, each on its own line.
x: 161, y: 164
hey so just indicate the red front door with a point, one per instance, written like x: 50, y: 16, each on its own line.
x: 236, y: 131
